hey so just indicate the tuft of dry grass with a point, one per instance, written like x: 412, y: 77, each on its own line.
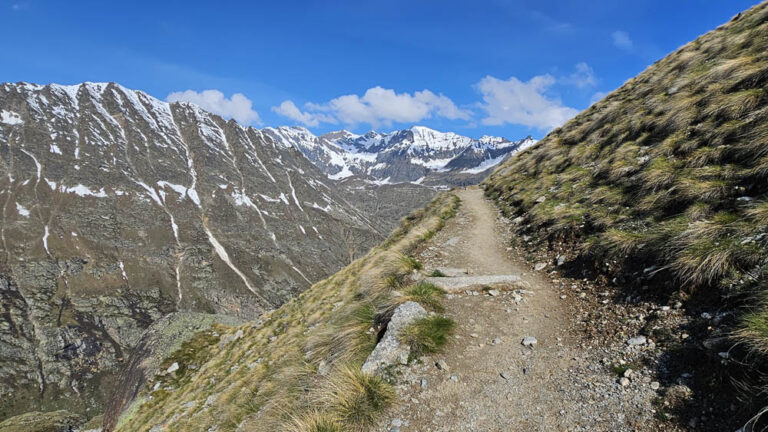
x: 428, y: 335
x: 355, y: 398
x: 315, y: 422
x: 427, y: 294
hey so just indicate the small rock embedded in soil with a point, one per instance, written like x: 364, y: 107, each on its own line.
x: 442, y: 365
x: 624, y: 382
x: 637, y: 340
x: 424, y: 383
x: 454, y: 378
x: 529, y: 341
x: 493, y: 293
x: 540, y: 266
x: 172, y: 368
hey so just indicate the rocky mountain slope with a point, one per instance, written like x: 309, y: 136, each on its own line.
x: 288, y: 369
x: 662, y: 188
x: 419, y: 154
x: 118, y: 209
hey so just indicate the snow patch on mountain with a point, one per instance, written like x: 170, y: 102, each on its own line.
x: 407, y: 155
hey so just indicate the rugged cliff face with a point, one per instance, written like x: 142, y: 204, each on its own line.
x: 118, y: 209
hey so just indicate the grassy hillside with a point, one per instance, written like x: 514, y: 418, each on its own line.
x: 664, y: 182
x: 297, y: 368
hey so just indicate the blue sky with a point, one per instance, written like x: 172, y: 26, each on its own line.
x: 509, y: 68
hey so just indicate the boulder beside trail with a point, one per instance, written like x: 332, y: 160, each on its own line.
x: 390, y: 348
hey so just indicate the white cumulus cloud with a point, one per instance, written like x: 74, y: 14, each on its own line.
x: 237, y: 106
x: 375, y: 107
x: 583, y: 77
x: 621, y: 40
x: 524, y: 103
x: 290, y: 110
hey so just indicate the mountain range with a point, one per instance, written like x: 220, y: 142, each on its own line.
x: 124, y: 214
x: 119, y: 209
x: 419, y: 155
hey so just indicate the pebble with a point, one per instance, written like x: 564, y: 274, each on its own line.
x: 454, y: 378
x: 172, y: 368
x: 442, y: 365
x: 637, y: 340
x: 529, y: 341
x: 504, y: 375
x: 424, y: 383
x: 655, y: 385
x: 540, y: 266
x: 496, y: 341
x: 624, y: 381
x: 493, y: 293
x: 474, y: 335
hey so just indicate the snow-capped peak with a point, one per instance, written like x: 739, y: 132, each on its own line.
x: 403, y: 155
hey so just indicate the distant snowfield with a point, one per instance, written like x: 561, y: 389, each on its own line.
x: 404, y: 156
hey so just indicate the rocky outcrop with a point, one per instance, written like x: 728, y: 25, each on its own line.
x: 160, y: 340
x: 390, y: 350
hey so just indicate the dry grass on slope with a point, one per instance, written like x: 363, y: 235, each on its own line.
x: 670, y: 171
x: 298, y: 367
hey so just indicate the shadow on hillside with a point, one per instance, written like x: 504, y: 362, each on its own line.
x: 702, y: 390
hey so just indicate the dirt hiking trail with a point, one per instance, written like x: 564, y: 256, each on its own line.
x: 492, y: 381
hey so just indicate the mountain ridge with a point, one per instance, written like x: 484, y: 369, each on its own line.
x: 416, y: 154
x: 120, y: 208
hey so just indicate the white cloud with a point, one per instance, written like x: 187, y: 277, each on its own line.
x: 621, y: 40
x: 583, y: 77
x: 525, y: 103
x: 290, y: 110
x: 237, y: 107
x: 377, y: 106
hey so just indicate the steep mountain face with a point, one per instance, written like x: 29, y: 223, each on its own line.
x: 663, y: 185
x: 419, y: 154
x: 119, y: 209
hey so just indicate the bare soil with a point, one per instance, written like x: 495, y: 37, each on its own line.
x: 566, y: 382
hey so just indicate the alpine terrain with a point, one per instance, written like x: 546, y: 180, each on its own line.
x: 419, y: 155
x: 119, y: 209
x: 617, y: 285
x: 163, y: 269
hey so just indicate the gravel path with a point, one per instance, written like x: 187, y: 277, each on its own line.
x: 518, y: 362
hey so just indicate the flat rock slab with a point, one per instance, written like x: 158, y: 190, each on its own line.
x: 453, y: 271
x: 459, y: 283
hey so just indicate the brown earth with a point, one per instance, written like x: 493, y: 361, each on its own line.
x: 494, y: 383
